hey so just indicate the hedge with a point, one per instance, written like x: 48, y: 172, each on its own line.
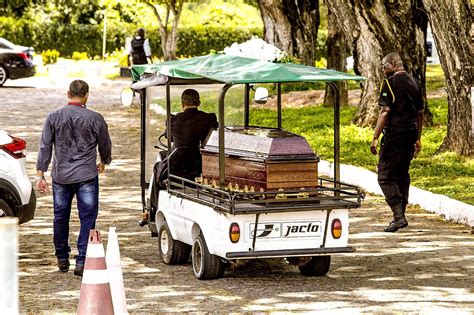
x: 68, y: 38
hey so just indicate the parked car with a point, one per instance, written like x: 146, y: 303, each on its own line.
x: 16, y: 61
x: 17, y: 196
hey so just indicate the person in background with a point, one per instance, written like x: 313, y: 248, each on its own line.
x: 71, y: 136
x: 400, y: 120
x: 138, y: 49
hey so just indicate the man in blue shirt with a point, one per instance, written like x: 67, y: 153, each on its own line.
x: 75, y: 132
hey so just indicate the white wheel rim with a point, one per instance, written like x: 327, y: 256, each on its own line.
x: 197, y: 257
x: 164, y: 241
x: 2, y: 213
x: 3, y: 75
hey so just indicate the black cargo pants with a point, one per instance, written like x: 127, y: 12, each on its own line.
x: 396, y: 153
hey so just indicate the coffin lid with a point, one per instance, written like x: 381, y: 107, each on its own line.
x: 261, y: 144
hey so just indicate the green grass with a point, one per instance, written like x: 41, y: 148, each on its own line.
x: 434, y: 77
x: 447, y: 173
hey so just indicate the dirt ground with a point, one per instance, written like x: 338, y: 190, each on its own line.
x: 425, y: 268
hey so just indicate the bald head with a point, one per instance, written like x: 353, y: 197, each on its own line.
x: 392, y: 63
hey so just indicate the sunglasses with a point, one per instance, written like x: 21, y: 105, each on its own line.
x: 385, y: 64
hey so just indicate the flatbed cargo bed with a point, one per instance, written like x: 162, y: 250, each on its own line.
x: 323, y: 197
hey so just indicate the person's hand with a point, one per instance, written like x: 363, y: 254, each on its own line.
x: 417, y: 147
x: 100, y: 167
x: 373, y: 146
x: 42, y: 185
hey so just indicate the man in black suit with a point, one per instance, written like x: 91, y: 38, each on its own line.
x: 189, y: 130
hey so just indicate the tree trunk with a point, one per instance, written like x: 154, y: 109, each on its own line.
x: 337, y: 54
x: 376, y: 28
x: 169, y: 36
x: 451, y: 25
x: 292, y: 26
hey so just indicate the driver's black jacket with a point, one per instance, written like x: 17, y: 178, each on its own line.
x: 189, y: 131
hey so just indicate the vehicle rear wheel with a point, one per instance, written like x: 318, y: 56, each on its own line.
x: 171, y: 251
x: 318, y: 266
x: 3, y: 75
x: 205, y: 265
x: 5, y: 209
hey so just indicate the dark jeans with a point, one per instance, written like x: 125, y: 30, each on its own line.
x: 396, y: 153
x: 87, y: 195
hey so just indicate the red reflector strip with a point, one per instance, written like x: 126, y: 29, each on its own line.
x: 22, y: 56
x: 15, y: 148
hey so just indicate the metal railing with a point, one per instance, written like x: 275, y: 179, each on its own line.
x: 328, y: 195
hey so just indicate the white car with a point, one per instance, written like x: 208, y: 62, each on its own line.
x: 17, y: 196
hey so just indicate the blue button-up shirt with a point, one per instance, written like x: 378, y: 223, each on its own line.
x: 75, y: 132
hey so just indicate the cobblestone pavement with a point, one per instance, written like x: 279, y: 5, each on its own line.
x: 427, y: 267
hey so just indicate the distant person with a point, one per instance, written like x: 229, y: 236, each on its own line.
x: 71, y: 136
x: 138, y: 50
x: 400, y: 120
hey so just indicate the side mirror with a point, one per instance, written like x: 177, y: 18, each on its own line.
x: 126, y: 97
x: 261, y: 95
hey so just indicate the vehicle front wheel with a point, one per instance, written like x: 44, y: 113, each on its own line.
x: 318, y: 266
x: 171, y: 251
x: 205, y: 265
x: 5, y: 209
x: 3, y: 75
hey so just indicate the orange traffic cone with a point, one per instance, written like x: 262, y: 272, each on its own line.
x: 114, y: 268
x: 95, y: 295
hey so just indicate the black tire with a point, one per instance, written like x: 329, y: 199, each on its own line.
x: 318, y: 266
x: 172, y: 252
x: 205, y: 265
x: 3, y: 75
x: 5, y: 209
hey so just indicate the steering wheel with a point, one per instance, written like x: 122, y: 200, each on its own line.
x: 162, y: 145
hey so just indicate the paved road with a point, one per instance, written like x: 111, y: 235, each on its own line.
x: 427, y: 267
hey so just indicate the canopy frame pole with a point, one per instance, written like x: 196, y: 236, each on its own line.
x: 222, y: 93
x: 247, y: 106
x: 337, y: 135
x: 279, y: 104
x: 143, y: 145
x: 168, y: 130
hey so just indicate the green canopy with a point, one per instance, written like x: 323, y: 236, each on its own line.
x: 221, y: 68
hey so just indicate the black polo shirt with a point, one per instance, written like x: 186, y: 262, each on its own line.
x: 402, y: 93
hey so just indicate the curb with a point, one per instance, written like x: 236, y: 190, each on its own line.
x: 448, y: 208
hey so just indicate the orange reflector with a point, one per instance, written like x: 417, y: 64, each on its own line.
x: 234, y: 232
x: 336, y: 228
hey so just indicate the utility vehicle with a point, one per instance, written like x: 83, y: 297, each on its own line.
x: 259, y: 195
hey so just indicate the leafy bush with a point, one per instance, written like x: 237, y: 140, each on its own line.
x: 50, y: 56
x: 67, y: 38
x: 79, y: 55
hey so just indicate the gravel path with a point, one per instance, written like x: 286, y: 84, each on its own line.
x: 426, y: 267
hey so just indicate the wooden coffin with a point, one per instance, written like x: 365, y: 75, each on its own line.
x: 259, y: 159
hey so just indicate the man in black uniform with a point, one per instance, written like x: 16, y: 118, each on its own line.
x: 139, y: 48
x: 189, y: 130
x: 400, y: 119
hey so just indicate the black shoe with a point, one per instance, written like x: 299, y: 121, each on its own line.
x: 79, y: 270
x: 63, y: 265
x: 396, y: 225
